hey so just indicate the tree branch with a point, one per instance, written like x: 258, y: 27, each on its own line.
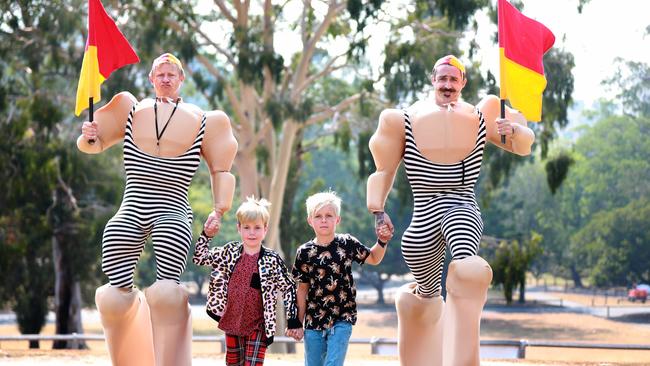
x: 176, y: 26
x: 236, y: 106
x: 266, y: 127
x: 310, y: 46
x: 226, y: 13
x: 329, y: 112
x: 328, y: 69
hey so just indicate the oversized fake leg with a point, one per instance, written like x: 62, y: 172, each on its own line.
x: 419, y: 328
x: 127, y: 325
x: 172, y: 323
x: 467, y: 282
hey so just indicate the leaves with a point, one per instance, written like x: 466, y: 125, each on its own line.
x: 557, y: 170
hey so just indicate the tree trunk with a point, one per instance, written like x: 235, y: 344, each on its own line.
x: 63, y: 215
x: 67, y: 296
x: 379, y: 286
x: 279, y: 182
x: 246, y: 164
x: 577, y: 281
x: 288, y: 237
x: 522, y: 291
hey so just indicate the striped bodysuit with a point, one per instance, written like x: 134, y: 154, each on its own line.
x: 445, y: 210
x: 155, y: 203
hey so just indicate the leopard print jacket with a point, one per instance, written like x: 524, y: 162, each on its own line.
x: 273, y: 273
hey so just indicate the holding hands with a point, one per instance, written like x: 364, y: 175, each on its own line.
x: 296, y: 333
x: 383, y: 227
x: 212, y: 224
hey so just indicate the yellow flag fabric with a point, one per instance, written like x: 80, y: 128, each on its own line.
x: 90, y: 81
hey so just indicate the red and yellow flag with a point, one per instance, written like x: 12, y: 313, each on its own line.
x: 106, y: 51
x: 522, y: 44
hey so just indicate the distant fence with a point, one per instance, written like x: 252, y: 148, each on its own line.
x: 505, y: 349
x: 615, y: 292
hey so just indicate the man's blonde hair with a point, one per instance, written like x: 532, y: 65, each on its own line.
x: 319, y: 200
x: 167, y: 58
x: 253, y: 210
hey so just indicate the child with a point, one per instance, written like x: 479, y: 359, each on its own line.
x: 245, y: 279
x: 323, y: 270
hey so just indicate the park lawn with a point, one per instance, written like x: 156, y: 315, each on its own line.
x: 382, y: 322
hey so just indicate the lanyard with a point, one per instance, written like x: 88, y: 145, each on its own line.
x: 155, y: 112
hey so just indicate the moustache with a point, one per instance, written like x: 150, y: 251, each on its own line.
x: 447, y: 90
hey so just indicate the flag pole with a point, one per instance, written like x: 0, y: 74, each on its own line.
x: 503, y: 115
x: 91, y: 112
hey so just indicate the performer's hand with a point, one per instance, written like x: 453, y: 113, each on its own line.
x: 89, y: 130
x: 505, y: 127
x: 212, y: 224
x: 383, y: 226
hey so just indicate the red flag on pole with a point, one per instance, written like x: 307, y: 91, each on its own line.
x: 106, y: 51
x: 522, y: 44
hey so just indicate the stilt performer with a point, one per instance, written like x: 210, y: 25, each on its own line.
x: 441, y: 141
x: 164, y: 139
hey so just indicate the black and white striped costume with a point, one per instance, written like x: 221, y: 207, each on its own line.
x: 155, y: 203
x: 445, y: 210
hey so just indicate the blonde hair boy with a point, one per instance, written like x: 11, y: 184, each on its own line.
x: 253, y: 210
x: 319, y: 200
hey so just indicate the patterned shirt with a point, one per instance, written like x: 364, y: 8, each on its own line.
x: 243, y: 314
x: 328, y: 270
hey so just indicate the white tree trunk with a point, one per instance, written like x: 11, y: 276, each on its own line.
x: 279, y: 182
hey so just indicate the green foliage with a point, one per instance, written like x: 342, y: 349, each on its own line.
x: 557, y: 169
x: 557, y: 97
x: 365, y: 162
x: 436, y: 28
x: 457, y: 12
x: 512, y: 261
x: 592, y: 226
x: 632, y: 79
x: 614, y: 244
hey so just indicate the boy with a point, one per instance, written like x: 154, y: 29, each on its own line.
x: 245, y: 279
x: 326, y: 292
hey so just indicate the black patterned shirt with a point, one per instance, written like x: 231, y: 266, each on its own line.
x: 328, y: 271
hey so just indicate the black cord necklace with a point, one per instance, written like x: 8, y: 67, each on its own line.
x: 155, y: 112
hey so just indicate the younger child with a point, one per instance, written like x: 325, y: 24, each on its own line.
x: 323, y: 270
x: 245, y: 279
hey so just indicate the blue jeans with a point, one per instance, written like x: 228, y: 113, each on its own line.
x: 327, y: 347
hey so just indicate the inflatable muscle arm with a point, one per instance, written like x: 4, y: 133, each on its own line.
x: 387, y: 148
x: 111, y: 123
x: 219, y: 149
x: 521, y: 141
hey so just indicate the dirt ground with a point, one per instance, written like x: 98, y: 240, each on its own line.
x: 505, y: 323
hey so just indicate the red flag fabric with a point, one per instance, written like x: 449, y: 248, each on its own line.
x: 106, y: 50
x: 522, y: 44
